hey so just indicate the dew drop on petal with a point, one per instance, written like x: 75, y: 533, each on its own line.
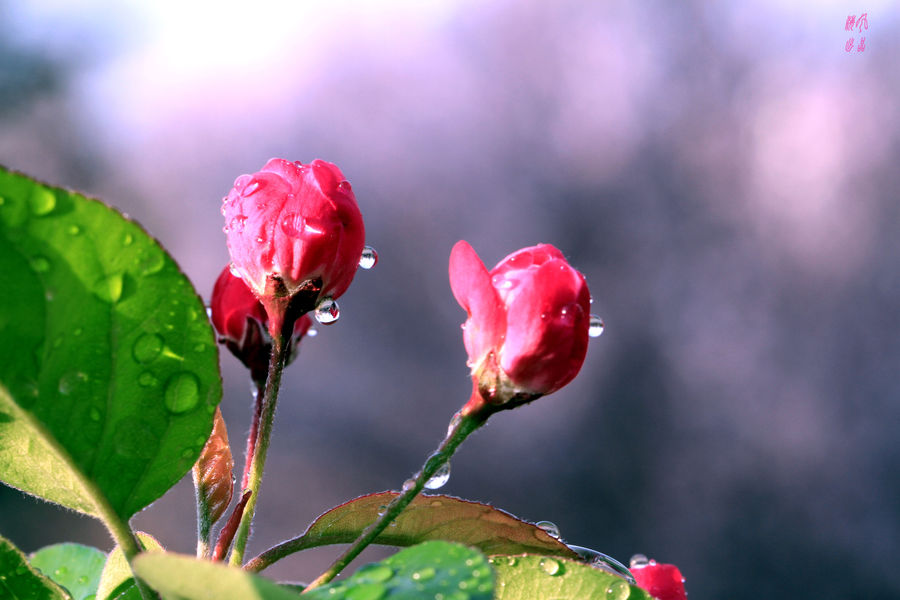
x: 595, y: 328
x: 182, y: 392
x: 368, y: 258
x: 639, y: 561
x: 250, y: 189
x: 327, y: 312
x: 292, y: 224
x: 440, y: 477
x: 549, y: 528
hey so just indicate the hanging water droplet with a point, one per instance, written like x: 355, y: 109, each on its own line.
x: 40, y: 264
x: 182, y: 392
x: 595, y: 329
x: 638, y: 561
x: 327, y: 312
x: 549, y: 527
x: 368, y: 258
x: 550, y: 566
x: 147, y: 347
x: 73, y: 229
x: 312, y: 332
x: 440, y: 477
x: 42, y: 201
x: 408, y: 485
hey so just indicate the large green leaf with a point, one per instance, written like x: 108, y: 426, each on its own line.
x: 430, y: 570
x: 481, y: 526
x: 116, y: 579
x: 73, y: 566
x: 180, y: 576
x: 20, y: 581
x: 107, y: 355
x: 539, y: 577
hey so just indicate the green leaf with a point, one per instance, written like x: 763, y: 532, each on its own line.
x: 435, y: 517
x: 429, y: 570
x: 539, y: 577
x: 107, y: 355
x: 20, y: 581
x: 73, y: 566
x: 117, y: 580
x: 180, y: 576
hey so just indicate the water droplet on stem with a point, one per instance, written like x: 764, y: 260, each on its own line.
x: 440, y: 477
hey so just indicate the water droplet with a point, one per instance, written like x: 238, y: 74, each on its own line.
x: 550, y: 566
x: 152, y: 263
x: 182, y: 392
x: 147, y: 379
x: 71, y: 381
x: 618, y: 590
x: 61, y: 571
x: 549, y: 527
x: 187, y: 453
x: 638, y: 561
x: 382, y: 509
x: 327, y: 312
x: 423, y: 574
x: 368, y: 258
x: 83, y: 579
x: 95, y: 414
x: 237, y: 223
x: 292, y: 224
x: 374, y: 573
x: 78, y: 331
x: 440, y: 477
x: 2, y: 200
x: 595, y: 329
x: 366, y: 591
x: 73, y: 229
x: 436, y: 503
x: 42, y: 201
x: 147, y: 347
x: 127, y: 240
x: 109, y: 289
x: 251, y: 189
x: 312, y: 332
x: 40, y: 264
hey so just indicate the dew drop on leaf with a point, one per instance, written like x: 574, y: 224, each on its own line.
x: 40, y: 264
x: 182, y: 392
x: 368, y: 258
x: 366, y: 591
x: 440, y: 477
x: 42, y: 201
x: 73, y: 229
x: 95, y: 414
x: 549, y: 527
x: 424, y: 574
x: 595, y: 329
x: 151, y: 263
x: 327, y: 311
x: 550, y: 566
x: 109, y: 289
x: 128, y: 239
x: 147, y: 347
x: 147, y: 379
x: 374, y: 573
x: 618, y: 590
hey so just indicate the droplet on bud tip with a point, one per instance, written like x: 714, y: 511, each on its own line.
x: 368, y: 258
x: 595, y: 329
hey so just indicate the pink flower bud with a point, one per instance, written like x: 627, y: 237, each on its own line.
x: 662, y: 581
x: 242, y: 324
x: 527, y: 328
x: 293, y: 226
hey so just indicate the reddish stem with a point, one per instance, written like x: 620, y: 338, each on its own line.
x: 228, y: 531
x: 254, y: 431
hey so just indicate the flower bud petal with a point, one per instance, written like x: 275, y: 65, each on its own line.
x: 527, y: 328
x: 212, y: 472
x: 298, y: 223
x: 662, y: 581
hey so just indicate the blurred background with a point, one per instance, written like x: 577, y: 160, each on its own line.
x: 724, y: 175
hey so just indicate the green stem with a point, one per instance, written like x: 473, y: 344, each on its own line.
x: 267, y: 418
x: 131, y: 547
x: 460, y: 428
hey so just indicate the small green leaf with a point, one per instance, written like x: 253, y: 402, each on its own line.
x: 117, y: 580
x: 429, y: 570
x: 20, y: 581
x: 73, y: 566
x: 537, y: 577
x: 481, y: 526
x: 180, y: 576
x: 107, y: 355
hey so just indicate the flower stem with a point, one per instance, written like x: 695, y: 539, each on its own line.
x: 261, y: 447
x: 460, y: 428
x: 259, y: 393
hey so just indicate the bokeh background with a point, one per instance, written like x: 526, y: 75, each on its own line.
x: 724, y: 174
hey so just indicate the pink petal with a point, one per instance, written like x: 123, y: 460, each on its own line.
x: 471, y: 285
